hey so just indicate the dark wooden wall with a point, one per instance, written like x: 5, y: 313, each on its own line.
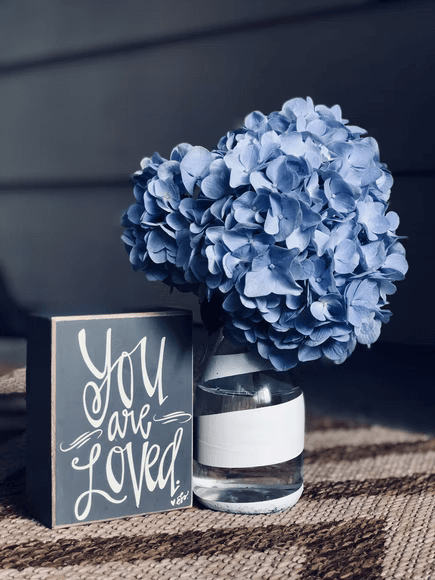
x: 88, y: 88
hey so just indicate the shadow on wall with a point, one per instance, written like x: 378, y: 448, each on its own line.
x: 13, y: 316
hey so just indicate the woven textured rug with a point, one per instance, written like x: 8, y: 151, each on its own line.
x: 367, y: 512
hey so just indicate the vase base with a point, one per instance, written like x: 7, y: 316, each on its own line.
x: 217, y: 501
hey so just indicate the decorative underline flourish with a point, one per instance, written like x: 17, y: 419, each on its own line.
x: 171, y: 417
x: 82, y: 439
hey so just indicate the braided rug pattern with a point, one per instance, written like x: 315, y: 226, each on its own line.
x: 367, y: 512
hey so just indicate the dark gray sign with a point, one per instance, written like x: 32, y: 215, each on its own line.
x: 118, y: 399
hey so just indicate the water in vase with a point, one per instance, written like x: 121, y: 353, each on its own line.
x: 248, y: 455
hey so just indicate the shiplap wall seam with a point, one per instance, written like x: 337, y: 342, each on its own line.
x: 122, y: 183
x: 183, y: 37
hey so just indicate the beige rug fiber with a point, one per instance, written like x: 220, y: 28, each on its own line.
x: 368, y: 512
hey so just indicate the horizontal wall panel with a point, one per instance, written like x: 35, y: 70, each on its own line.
x: 65, y: 250
x: 98, y: 119
x: 39, y: 30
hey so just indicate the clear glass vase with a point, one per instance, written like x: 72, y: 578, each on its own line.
x: 248, y: 435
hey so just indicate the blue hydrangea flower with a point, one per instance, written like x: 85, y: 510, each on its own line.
x: 285, y: 223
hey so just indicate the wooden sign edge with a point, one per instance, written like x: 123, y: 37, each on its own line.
x: 138, y: 515
x: 53, y: 422
x: 153, y: 314
x: 38, y: 416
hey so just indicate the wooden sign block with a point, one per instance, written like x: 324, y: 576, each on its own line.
x: 109, y: 413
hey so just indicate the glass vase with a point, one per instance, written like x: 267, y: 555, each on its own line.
x: 248, y: 435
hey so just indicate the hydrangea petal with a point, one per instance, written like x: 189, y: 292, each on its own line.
x: 379, y: 225
x: 284, y: 360
x: 318, y: 310
x: 296, y: 106
x: 321, y: 333
x: 396, y: 262
x: 216, y: 184
x: 321, y: 240
x: 305, y: 322
x: 309, y: 353
x: 374, y: 254
x: 254, y: 120
x: 346, y: 257
x: 334, y: 350
x: 293, y: 144
x: 249, y: 157
x: 298, y: 239
x: 180, y: 151
x: 270, y: 143
x: 393, y: 220
x: 369, y: 331
x: 194, y: 166
x: 265, y: 282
